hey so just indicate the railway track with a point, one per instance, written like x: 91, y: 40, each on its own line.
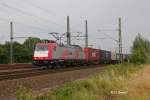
x: 15, y: 66
x: 9, y: 75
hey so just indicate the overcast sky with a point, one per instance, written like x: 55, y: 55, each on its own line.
x: 39, y: 17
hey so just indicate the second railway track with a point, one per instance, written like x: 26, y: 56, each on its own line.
x: 9, y: 75
x: 15, y: 66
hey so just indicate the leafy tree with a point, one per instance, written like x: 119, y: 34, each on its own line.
x: 7, y: 47
x: 140, y: 50
x: 30, y: 42
x: 3, y: 56
x: 22, y: 53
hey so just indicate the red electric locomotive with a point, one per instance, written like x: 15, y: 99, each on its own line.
x: 50, y: 53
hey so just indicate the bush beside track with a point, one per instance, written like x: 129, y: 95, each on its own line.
x: 114, y: 78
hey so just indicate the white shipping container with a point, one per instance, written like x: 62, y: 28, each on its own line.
x: 113, y: 56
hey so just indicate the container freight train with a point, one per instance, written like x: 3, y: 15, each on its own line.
x: 49, y: 53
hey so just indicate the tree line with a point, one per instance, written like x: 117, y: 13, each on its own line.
x: 22, y: 53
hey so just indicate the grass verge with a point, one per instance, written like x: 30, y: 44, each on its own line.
x: 104, y: 86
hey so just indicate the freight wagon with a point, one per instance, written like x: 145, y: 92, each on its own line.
x: 114, y: 58
x: 92, y: 55
x: 105, y: 56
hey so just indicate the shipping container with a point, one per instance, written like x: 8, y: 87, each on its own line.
x: 105, y: 56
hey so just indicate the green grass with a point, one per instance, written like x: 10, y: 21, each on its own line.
x: 97, y: 87
x: 24, y: 94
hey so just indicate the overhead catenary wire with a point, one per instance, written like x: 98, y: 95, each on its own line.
x: 29, y: 14
x: 32, y: 15
x: 2, y: 31
x: 22, y: 32
x: 41, y: 8
x: 17, y: 22
x: 109, y: 36
x: 47, y: 12
x: 8, y: 20
x: 15, y: 33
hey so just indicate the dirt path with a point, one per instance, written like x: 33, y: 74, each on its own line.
x: 8, y: 88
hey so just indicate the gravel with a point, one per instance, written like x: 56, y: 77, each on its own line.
x: 44, y: 82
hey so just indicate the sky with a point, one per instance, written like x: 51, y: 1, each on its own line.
x: 37, y: 18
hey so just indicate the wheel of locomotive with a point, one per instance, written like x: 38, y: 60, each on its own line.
x: 62, y: 65
x: 59, y: 66
x: 55, y: 65
x: 49, y: 66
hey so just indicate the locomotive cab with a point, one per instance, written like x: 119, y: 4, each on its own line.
x: 42, y: 54
x: 41, y: 51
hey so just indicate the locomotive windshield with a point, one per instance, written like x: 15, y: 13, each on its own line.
x: 41, y: 48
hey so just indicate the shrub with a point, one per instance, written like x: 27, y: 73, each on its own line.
x: 140, y: 50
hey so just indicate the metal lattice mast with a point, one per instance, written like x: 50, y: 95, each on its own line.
x: 86, y: 33
x: 68, y: 31
x: 120, y: 42
x: 11, y: 42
